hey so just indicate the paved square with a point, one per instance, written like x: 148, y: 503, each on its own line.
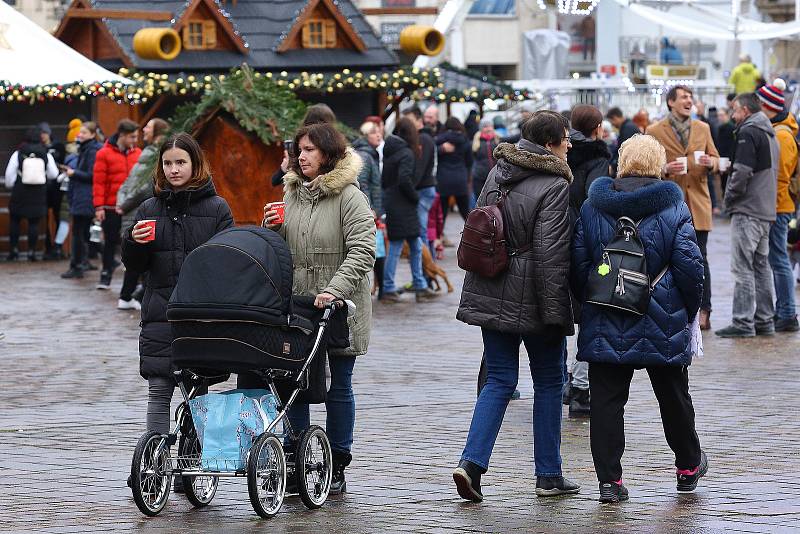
x: 72, y: 407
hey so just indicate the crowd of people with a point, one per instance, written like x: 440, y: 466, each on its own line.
x: 580, y: 202
x: 570, y: 187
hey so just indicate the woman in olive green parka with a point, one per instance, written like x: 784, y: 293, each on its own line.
x: 330, y: 231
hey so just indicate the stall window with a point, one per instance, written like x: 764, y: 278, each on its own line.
x: 319, y: 33
x: 200, y: 35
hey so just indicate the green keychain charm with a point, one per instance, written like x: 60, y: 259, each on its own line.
x: 603, y: 269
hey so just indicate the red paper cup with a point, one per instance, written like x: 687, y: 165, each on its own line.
x: 152, y: 224
x: 280, y: 209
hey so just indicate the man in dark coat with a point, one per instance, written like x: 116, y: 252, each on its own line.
x: 626, y: 129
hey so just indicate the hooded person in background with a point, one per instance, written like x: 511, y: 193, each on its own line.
x: 745, y: 76
x: 785, y: 125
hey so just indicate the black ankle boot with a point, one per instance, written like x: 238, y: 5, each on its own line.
x: 579, y: 403
x: 340, y: 461
x: 13, y: 255
x: 467, y: 477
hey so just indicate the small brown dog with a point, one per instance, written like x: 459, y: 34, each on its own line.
x: 431, y: 269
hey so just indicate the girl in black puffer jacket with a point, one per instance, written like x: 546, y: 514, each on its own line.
x: 589, y: 157
x: 188, y: 213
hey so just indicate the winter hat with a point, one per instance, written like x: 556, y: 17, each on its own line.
x: 484, y: 123
x: 45, y: 128
x: 74, y: 128
x: 771, y: 96
x: 498, y: 122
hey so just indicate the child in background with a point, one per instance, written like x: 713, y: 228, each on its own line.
x: 436, y: 229
x: 381, y: 244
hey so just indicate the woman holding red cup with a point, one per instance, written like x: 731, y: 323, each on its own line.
x: 184, y: 213
x: 330, y: 230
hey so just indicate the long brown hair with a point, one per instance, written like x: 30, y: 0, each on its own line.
x: 201, y: 172
x: 407, y: 131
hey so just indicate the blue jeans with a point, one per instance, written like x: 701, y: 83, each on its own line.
x: 548, y: 369
x: 781, y: 267
x: 414, y: 259
x: 426, y: 198
x: 340, y: 405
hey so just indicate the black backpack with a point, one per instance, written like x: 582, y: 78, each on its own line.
x: 621, y: 281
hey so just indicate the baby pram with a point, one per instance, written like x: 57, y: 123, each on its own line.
x: 232, y: 311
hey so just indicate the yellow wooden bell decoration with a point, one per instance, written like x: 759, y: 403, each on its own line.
x: 416, y: 40
x: 157, y: 43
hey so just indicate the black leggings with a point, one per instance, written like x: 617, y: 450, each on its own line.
x: 33, y: 232
x: 609, y: 385
x: 462, y: 201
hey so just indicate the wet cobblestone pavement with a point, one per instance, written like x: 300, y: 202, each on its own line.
x: 72, y: 408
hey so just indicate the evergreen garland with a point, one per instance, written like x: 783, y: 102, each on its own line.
x: 261, y: 107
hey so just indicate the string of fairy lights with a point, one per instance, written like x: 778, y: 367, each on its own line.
x: 407, y: 81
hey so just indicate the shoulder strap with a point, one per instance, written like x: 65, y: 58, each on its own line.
x: 659, y: 277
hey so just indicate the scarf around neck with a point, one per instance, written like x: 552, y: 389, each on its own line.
x: 682, y: 128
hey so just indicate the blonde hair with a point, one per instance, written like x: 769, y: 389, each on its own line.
x: 368, y: 128
x: 641, y: 155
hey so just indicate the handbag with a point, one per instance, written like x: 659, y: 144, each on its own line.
x: 484, y: 249
x: 228, y: 423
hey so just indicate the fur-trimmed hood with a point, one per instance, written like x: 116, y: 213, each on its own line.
x: 331, y: 183
x: 530, y: 157
x: 637, y: 204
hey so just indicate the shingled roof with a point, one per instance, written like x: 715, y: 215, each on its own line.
x: 262, y: 24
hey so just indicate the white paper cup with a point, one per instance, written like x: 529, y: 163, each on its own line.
x: 685, y: 162
x: 724, y: 163
x: 697, y: 155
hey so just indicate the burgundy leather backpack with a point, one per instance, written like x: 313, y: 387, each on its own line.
x: 484, y: 249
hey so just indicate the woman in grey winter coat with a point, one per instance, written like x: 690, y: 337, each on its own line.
x: 528, y: 303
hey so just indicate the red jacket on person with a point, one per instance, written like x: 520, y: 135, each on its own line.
x: 111, y: 168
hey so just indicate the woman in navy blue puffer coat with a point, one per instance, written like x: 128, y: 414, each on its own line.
x: 617, y: 343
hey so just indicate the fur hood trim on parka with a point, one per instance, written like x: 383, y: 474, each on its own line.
x: 331, y: 183
x: 533, y: 157
x: 638, y: 204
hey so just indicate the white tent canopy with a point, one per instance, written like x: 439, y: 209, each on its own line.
x: 29, y: 56
x: 712, y: 23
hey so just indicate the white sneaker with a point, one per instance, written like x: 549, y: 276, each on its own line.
x: 132, y: 304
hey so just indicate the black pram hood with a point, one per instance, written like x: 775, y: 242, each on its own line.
x: 240, y: 274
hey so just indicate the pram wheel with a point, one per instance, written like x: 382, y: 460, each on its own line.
x: 149, y: 482
x: 313, y: 467
x: 199, y: 490
x: 266, y: 475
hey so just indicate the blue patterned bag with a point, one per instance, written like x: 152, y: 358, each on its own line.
x: 228, y: 423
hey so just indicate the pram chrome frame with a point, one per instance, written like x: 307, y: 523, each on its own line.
x: 172, y: 465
